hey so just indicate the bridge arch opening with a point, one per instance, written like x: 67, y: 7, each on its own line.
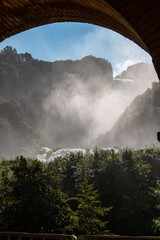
x: 77, y: 102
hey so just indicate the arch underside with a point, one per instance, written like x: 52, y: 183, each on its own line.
x: 138, y: 20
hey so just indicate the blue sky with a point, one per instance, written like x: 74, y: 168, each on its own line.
x: 61, y: 41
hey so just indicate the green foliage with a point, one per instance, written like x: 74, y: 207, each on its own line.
x: 29, y: 203
x: 33, y: 194
x: 125, y: 180
x: 89, y: 213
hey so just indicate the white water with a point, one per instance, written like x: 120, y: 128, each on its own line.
x: 47, y: 155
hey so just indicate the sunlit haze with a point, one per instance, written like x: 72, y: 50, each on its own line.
x: 90, y: 89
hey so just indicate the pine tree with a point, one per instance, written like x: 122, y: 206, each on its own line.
x: 89, y: 216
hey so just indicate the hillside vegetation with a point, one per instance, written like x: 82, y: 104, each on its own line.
x: 69, y: 103
x: 102, y: 193
x: 26, y: 83
x: 16, y: 129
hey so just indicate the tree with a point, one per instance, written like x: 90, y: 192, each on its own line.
x: 138, y: 200
x: 9, y: 55
x: 29, y: 203
x: 89, y: 214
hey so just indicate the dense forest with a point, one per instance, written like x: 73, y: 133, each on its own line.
x: 100, y: 193
x: 70, y: 103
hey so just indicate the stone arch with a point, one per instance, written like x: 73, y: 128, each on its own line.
x: 138, y: 20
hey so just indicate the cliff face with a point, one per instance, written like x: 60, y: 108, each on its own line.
x: 26, y: 83
x: 69, y: 103
x: 138, y: 125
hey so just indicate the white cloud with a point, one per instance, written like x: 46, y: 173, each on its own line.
x: 122, y: 66
x: 118, y: 50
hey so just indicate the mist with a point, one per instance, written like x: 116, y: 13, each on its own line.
x: 83, y: 106
x: 70, y: 104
